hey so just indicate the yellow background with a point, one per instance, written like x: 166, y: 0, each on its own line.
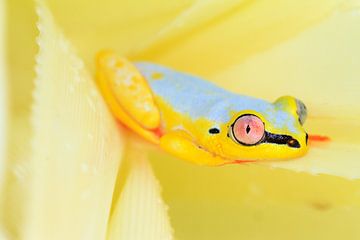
x: 309, y: 49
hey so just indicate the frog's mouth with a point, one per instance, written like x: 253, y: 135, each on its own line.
x: 280, y: 139
x: 273, y: 139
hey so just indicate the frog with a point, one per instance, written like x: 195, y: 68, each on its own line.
x: 196, y: 120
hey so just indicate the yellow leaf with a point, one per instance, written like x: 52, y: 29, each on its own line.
x: 140, y: 212
x: 76, y: 146
x: 3, y: 92
x: 262, y: 48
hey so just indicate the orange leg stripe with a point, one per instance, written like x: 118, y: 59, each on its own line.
x: 318, y: 138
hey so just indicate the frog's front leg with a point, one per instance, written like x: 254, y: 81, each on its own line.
x: 181, y: 144
x: 128, y: 95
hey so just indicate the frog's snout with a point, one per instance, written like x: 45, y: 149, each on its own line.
x: 301, y: 111
x: 293, y: 105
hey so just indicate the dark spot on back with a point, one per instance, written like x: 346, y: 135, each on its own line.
x: 157, y: 76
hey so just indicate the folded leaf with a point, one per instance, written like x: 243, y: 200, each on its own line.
x: 76, y: 146
x: 140, y: 212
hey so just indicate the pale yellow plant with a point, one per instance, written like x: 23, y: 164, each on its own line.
x: 64, y: 184
x: 72, y: 174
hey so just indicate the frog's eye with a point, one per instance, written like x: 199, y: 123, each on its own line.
x: 248, y: 129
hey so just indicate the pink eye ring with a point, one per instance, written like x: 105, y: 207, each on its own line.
x: 248, y: 129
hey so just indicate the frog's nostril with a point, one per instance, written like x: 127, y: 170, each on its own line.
x: 293, y: 143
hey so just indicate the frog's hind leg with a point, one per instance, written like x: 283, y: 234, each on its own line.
x: 128, y: 95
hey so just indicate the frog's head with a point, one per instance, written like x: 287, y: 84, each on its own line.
x: 273, y: 134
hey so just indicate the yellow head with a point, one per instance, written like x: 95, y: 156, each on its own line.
x: 261, y: 135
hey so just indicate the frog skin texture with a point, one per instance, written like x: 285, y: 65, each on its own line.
x: 196, y: 120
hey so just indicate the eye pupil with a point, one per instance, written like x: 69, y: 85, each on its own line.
x: 248, y: 129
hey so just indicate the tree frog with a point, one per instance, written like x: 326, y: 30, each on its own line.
x: 196, y: 120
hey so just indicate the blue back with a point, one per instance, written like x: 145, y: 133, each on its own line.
x: 199, y: 98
